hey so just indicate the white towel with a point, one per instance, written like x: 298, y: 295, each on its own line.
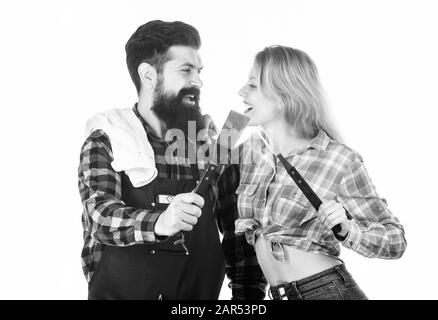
x: 131, y: 149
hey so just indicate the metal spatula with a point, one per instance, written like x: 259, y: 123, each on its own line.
x: 233, y: 128
x: 236, y: 122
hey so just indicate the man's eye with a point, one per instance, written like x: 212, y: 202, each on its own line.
x: 185, y: 70
x: 252, y: 86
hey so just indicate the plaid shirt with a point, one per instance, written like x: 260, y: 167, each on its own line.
x: 107, y: 220
x: 272, y: 205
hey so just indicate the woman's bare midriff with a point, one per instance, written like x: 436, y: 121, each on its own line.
x: 298, y: 264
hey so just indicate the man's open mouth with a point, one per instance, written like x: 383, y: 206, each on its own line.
x: 190, y: 99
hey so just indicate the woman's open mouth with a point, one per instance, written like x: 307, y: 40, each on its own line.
x: 248, y: 108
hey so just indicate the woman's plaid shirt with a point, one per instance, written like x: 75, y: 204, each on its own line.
x: 272, y: 205
x: 108, y: 220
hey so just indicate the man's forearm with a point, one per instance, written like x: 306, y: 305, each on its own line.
x: 111, y: 222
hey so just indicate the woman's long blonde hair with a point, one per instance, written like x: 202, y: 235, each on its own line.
x: 291, y: 76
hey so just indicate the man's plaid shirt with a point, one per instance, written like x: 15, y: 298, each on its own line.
x: 272, y: 205
x: 108, y: 220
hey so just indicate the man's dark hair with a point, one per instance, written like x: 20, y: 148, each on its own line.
x: 151, y: 41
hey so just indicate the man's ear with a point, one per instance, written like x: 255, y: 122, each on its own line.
x: 148, y: 75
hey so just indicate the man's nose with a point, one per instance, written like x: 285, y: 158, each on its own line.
x: 196, y: 81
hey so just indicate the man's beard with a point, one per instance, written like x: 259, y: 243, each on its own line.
x: 176, y: 111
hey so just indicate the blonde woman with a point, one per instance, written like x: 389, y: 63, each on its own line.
x: 295, y: 246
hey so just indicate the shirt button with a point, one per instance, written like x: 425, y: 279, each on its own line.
x: 152, y: 251
x: 153, y: 204
x: 350, y: 243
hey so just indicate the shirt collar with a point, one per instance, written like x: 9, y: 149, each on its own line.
x: 146, y: 125
x: 320, y: 141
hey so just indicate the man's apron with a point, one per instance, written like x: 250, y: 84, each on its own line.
x: 163, y: 270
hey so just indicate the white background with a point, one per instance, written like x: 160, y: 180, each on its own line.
x: 63, y: 61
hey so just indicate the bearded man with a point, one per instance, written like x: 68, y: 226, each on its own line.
x: 132, y: 235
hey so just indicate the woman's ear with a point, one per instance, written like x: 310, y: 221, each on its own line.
x: 280, y: 105
x: 148, y: 75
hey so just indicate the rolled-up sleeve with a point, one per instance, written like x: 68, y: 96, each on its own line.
x: 374, y: 231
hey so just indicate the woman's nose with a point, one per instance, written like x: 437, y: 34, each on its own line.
x: 242, y: 92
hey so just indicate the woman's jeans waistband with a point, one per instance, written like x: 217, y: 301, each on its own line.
x: 332, y: 284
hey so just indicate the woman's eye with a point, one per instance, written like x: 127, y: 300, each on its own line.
x: 252, y: 86
x: 186, y: 70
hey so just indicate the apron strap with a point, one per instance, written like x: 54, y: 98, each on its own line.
x: 195, y: 171
x: 194, y: 166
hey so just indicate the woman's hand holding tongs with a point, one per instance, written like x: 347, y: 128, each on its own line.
x: 332, y: 213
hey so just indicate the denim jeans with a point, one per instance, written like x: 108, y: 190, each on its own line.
x: 333, y: 284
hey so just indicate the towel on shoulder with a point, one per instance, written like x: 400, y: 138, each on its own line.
x: 130, y: 146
